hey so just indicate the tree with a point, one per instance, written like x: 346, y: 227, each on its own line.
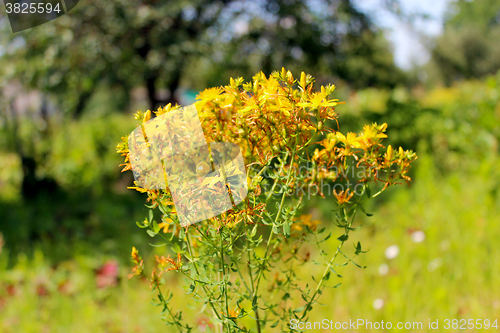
x: 151, y: 43
x: 469, y: 46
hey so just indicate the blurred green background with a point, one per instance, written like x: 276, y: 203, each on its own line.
x: 69, y: 88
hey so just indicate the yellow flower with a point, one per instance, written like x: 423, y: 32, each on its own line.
x: 165, y: 225
x: 135, y: 255
x: 147, y: 116
x: 166, y: 109
x: 305, y: 220
x: 233, y: 313
x: 374, y: 131
x: 270, y: 85
x: 319, y: 99
x: 350, y: 141
x: 207, y: 95
x: 303, y: 80
x: 389, y: 154
x: 343, y: 197
x: 137, y: 188
x: 137, y: 269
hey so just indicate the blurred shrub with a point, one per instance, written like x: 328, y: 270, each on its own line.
x: 86, y: 293
x: 90, y: 201
x: 10, y: 177
x: 458, y: 126
x: 468, y: 47
x: 83, y: 152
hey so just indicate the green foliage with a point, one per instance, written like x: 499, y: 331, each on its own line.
x: 457, y: 126
x: 435, y: 276
x: 124, y: 44
x: 225, y: 258
x: 85, y: 205
x: 458, y: 214
x: 468, y: 47
x: 37, y: 296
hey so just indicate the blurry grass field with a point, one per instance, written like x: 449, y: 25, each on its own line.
x: 450, y: 273
x: 442, y: 233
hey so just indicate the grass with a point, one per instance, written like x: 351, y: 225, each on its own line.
x: 37, y: 298
x: 451, y: 274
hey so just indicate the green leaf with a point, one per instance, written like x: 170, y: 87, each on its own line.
x: 326, y: 238
x: 368, y: 191
x: 299, y: 309
x: 150, y: 218
x: 334, y: 272
x: 286, y: 228
x: 191, y: 289
x: 364, y: 211
x: 343, y: 238
x: 254, y: 231
x: 156, y: 227
x: 158, y: 245
x: 141, y: 225
x: 162, y: 209
x: 151, y: 233
x: 254, y: 302
x: 358, y: 248
x: 203, y: 307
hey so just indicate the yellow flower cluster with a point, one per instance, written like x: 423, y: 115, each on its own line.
x: 364, y: 148
x: 269, y: 116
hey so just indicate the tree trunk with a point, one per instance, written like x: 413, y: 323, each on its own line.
x: 150, y: 84
x: 175, y: 80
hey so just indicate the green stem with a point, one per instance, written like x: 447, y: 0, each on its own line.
x: 252, y: 284
x: 224, y: 289
x: 311, y: 302
x: 242, y: 278
x: 198, y: 272
x: 262, y: 266
x: 177, y: 324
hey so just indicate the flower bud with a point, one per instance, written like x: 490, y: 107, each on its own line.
x: 390, y: 153
x: 147, y: 116
x: 303, y: 80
